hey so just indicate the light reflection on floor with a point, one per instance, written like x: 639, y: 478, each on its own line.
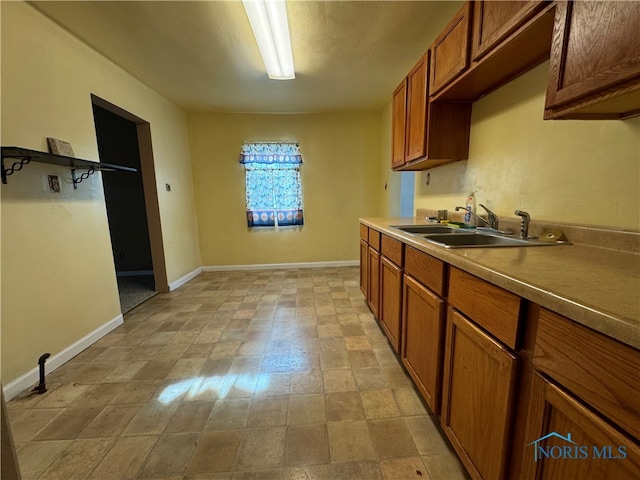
x: 269, y: 374
x: 217, y: 386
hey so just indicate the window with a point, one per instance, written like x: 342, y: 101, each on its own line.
x: 273, y: 187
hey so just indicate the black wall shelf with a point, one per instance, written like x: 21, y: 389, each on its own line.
x: 24, y: 156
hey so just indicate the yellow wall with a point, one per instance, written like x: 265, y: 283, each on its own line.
x: 572, y: 171
x: 340, y: 182
x: 58, y: 277
x: 389, y: 197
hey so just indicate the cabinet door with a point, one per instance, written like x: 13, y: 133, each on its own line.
x: 565, y: 439
x: 478, y: 396
x: 373, y: 293
x: 594, y: 49
x: 398, y: 125
x: 423, y: 340
x: 364, y: 275
x: 390, y: 300
x: 495, y: 21
x: 416, y: 136
x: 450, y: 51
x: 603, y: 372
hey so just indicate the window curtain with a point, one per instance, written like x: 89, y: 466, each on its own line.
x: 273, y: 186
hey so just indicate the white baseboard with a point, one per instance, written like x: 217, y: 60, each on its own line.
x: 181, y: 281
x: 22, y: 383
x: 280, y: 266
x: 265, y: 266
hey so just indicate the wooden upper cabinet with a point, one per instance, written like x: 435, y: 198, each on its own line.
x: 506, y: 40
x: 494, y: 21
x: 417, y: 97
x: 398, y: 125
x: 410, y: 109
x: 595, y: 61
x: 424, y: 133
x: 450, y: 50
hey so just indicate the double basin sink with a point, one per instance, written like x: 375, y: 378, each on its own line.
x: 452, y: 237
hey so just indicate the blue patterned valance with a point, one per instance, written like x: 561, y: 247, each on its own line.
x: 270, y: 153
x: 273, y: 184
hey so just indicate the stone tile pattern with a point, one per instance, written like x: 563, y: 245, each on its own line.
x: 270, y: 374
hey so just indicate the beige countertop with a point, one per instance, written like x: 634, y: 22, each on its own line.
x: 597, y: 287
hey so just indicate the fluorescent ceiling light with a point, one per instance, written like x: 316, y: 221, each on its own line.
x: 268, y: 20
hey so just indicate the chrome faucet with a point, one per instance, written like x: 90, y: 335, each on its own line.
x: 524, y: 224
x: 493, y: 218
x: 477, y: 216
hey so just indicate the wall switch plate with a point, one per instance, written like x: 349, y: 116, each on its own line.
x: 54, y: 183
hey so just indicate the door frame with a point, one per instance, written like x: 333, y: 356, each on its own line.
x: 149, y: 185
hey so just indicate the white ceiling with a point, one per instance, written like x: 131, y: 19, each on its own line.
x: 201, y: 55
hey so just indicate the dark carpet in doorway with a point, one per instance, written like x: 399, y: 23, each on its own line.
x: 134, y: 290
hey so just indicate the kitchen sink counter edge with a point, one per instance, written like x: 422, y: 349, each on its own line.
x: 597, y: 287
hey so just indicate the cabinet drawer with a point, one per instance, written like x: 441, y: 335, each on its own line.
x: 601, y: 371
x: 392, y: 249
x: 364, y: 232
x: 374, y: 239
x: 491, y: 307
x: 427, y: 270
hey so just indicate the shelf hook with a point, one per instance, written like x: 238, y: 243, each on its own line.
x: 83, y: 176
x: 15, y: 167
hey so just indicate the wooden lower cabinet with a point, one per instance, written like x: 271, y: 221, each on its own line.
x: 373, y: 273
x: 521, y: 391
x: 390, y: 300
x: 423, y: 340
x: 478, y: 397
x: 364, y: 271
x: 579, y: 444
x: 602, y: 372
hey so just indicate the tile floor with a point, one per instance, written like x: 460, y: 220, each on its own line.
x: 278, y: 374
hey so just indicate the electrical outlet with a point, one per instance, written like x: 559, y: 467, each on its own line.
x: 54, y: 183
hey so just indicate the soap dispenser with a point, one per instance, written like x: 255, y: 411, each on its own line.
x: 469, y: 215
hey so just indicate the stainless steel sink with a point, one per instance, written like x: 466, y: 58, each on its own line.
x: 469, y: 240
x: 428, y: 229
x: 451, y: 237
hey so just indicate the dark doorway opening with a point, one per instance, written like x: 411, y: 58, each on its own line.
x: 124, y: 194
